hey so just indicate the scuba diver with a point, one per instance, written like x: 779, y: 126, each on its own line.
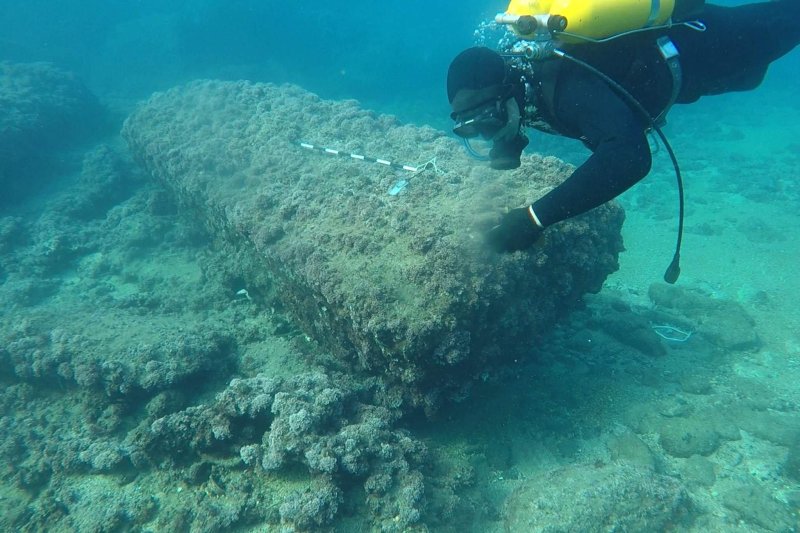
x: 608, y: 87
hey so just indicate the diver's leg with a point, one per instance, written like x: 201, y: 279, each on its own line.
x: 777, y: 27
x: 687, y: 9
x: 735, y: 50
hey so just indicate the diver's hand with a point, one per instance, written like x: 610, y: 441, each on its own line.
x: 505, y: 154
x: 516, y: 231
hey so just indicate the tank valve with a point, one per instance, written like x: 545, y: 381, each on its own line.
x: 506, y: 19
x: 556, y: 23
x: 531, y: 27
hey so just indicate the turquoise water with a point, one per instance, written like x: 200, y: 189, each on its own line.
x: 123, y: 320
x: 382, y: 54
x: 390, y: 57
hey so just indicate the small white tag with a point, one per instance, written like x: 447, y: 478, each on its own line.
x: 398, y: 187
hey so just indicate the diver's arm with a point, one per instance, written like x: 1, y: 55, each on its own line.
x: 621, y: 153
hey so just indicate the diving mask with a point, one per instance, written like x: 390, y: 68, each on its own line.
x: 485, y: 120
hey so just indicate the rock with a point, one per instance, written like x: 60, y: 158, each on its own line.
x: 400, y: 285
x: 584, y: 498
x: 791, y: 468
x: 683, y: 437
x: 635, y: 332
x: 779, y: 428
x: 755, y: 506
x: 674, y: 406
x: 724, y: 323
x: 629, y: 447
x: 697, y: 470
x: 42, y: 109
x: 699, y: 435
x: 756, y: 395
x: 696, y: 384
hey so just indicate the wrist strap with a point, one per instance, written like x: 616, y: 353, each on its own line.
x: 534, y: 218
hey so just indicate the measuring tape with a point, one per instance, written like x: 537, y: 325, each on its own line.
x: 398, y: 186
x: 368, y: 159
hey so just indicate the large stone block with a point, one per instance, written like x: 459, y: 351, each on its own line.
x: 402, y: 285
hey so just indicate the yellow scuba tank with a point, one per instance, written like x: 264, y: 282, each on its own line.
x: 576, y: 21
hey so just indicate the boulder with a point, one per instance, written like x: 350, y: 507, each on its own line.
x: 42, y: 109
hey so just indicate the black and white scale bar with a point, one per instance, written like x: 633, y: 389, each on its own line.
x: 368, y: 159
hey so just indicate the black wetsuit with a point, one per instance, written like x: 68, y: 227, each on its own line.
x: 731, y: 55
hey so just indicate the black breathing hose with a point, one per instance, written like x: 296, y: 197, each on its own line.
x: 472, y: 152
x: 674, y: 270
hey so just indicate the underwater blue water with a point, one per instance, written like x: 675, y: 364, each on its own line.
x: 392, y: 56
x: 379, y: 53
